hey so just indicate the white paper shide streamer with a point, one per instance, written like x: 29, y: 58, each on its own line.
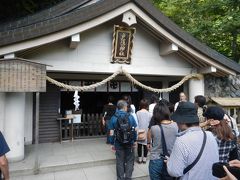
x: 76, y: 100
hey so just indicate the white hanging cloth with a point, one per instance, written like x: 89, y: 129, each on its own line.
x: 76, y: 100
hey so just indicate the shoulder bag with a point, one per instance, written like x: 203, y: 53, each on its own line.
x: 142, y: 135
x: 165, y: 174
x: 188, y: 168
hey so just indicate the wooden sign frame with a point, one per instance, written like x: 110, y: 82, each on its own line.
x: 122, y: 44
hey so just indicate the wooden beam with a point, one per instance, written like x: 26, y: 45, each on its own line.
x: 166, y: 49
x: 189, y: 60
x: 75, y: 39
x: 9, y: 56
x: 194, y: 59
x: 36, y: 147
x: 207, y: 70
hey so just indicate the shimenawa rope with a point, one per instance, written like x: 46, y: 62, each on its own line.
x: 130, y: 78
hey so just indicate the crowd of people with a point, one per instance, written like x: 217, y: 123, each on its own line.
x: 187, y: 141
x: 183, y: 141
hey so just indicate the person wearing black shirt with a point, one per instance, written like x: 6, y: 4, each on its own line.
x: 3, y: 160
x: 108, y: 111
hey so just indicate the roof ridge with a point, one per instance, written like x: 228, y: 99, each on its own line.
x: 44, y: 15
x: 92, y: 10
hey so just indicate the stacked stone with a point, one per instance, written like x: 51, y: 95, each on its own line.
x: 222, y: 86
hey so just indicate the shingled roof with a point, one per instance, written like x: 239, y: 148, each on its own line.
x: 73, y: 12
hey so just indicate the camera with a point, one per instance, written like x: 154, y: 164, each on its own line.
x: 218, y: 171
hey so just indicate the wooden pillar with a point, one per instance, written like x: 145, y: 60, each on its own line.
x: 36, y: 165
x: 196, y: 87
x: 165, y: 95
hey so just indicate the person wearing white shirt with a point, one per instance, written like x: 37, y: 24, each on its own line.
x: 154, y: 100
x: 182, y: 98
x: 192, y: 145
x: 232, y: 123
x: 131, y: 107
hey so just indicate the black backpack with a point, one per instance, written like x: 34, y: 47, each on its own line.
x: 124, y: 133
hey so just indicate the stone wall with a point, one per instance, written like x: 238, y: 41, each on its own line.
x: 222, y: 86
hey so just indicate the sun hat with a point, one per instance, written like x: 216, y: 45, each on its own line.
x: 186, y: 112
x: 214, y: 112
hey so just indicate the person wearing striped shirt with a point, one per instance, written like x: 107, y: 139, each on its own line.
x: 188, y: 146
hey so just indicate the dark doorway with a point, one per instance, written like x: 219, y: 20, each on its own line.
x: 174, y: 95
x: 147, y: 94
x: 91, y: 107
x: 93, y: 102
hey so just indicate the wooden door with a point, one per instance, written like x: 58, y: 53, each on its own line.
x: 48, y: 113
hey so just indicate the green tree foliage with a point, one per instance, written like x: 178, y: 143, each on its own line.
x: 214, y: 22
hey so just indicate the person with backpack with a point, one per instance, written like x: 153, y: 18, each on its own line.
x: 123, y: 136
x: 3, y: 160
x: 163, y: 136
x: 194, y: 151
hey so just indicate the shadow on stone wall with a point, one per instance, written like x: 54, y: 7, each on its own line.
x: 222, y: 86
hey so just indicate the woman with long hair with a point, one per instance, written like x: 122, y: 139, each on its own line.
x: 163, y: 135
x: 221, y: 130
